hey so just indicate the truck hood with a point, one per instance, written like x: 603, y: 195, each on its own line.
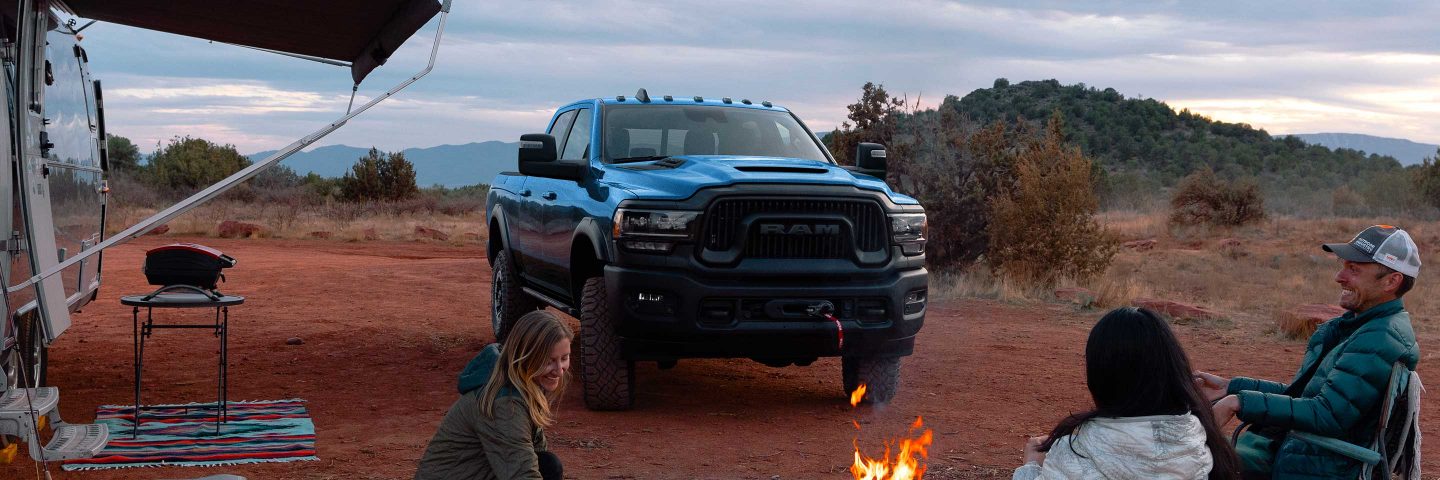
x: 653, y: 180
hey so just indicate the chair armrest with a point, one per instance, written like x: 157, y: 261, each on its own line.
x: 1368, y: 456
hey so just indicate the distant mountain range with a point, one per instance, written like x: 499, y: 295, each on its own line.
x: 448, y: 165
x: 1407, y: 152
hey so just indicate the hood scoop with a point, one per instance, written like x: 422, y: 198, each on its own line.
x: 668, y: 163
x: 778, y: 169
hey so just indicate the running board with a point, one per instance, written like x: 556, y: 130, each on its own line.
x: 574, y: 312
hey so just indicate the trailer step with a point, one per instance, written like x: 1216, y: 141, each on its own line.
x: 76, y: 441
x: 15, y: 404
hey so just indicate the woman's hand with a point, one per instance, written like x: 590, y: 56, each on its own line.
x: 1224, y: 410
x: 1032, y: 449
x: 1211, y: 387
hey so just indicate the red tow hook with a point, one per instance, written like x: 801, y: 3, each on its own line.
x: 839, y: 331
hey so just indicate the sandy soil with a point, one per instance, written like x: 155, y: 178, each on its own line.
x: 386, y: 326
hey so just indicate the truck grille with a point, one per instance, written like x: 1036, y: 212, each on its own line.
x: 722, y: 227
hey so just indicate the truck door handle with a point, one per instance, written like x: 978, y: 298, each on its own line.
x: 548, y: 195
x: 525, y: 192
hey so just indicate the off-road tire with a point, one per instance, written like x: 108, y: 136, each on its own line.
x: 508, y: 301
x: 880, y: 374
x: 607, y: 378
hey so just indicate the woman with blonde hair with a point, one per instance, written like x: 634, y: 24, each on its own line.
x: 496, y: 430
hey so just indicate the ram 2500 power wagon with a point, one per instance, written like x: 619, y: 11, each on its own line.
x: 706, y: 228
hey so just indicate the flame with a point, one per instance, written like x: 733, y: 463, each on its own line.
x: 857, y: 395
x: 908, y: 463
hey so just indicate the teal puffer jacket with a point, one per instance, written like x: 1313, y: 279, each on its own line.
x: 1342, y: 400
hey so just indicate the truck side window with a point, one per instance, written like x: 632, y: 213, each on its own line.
x: 579, y: 140
x: 561, y: 128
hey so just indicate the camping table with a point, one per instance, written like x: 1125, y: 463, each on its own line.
x: 167, y: 298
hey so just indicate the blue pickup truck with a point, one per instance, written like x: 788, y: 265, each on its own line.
x: 706, y: 228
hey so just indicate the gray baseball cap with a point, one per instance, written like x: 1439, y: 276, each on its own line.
x: 1382, y: 244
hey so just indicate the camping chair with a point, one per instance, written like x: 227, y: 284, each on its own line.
x: 1397, y: 436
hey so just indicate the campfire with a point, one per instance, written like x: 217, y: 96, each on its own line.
x: 908, y: 463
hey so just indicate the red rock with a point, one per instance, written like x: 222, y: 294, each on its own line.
x: 322, y: 235
x: 1075, y: 294
x: 1140, y: 245
x: 430, y: 233
x: 1229, y: 243
x: 1176, y: 310
x: 472, y: 236
x: 1301, y: 321
x: 371, y: 234
x: 160, y: 230
x: 234, y: 229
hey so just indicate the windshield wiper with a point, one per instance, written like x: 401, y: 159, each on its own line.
x: 642, y: 158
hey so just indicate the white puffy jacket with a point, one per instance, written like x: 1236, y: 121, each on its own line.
x: 1153, y: 447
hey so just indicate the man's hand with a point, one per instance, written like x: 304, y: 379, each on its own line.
x: 1211, y: 387
x: 1032, y: 449
x: 1224, y: 410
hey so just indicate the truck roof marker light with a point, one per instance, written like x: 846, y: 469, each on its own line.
x: 669, y: 98
x: 642, y: 96
x: 699, y: 99
x: 766, y: 103
x: 745, y: 101
x: 725, y: 100
x: 619, y: 98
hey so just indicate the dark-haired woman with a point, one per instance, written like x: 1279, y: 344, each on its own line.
x: 1149, y: 420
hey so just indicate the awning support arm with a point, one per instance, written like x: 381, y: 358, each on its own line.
x: 144, y: 226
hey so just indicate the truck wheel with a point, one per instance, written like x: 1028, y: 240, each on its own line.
x: 881, y: 376
x: 608, y: 379
x: 508, y: 302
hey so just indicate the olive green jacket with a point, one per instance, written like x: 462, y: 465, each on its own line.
x: 470, y: 445
x: 1342, y: 400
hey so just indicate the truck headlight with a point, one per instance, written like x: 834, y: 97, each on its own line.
x: 654, y: 231
x: 908, y: 230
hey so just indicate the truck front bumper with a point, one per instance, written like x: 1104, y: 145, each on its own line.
x: 666, y: 314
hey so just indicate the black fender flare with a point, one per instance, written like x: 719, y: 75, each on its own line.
x: 598, y: 237
x: 497, y: 217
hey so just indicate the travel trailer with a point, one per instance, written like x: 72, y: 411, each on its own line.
x: 56, y: 160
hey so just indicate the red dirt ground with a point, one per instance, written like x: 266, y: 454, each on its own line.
x: 386, y: 326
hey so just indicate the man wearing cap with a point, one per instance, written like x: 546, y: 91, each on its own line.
x: 1337, y: 392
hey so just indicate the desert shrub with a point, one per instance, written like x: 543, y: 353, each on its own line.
x: 871, y: 119
x: 1202, y: 198
x: 1043, y: 227
x: 193, y: 163
x: 1426, y: 178
x: 379, y: 177
x: 1347, y: 202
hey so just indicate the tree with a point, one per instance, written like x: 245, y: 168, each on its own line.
x: 379, y: 176
x: 1043, y: 227
x: 191, y: 163
x: 872, y: 119
x: 123, y: 154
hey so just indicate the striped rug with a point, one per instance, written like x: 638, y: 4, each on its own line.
x: 184, y: 435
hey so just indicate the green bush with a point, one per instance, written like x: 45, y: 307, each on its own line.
x: 379, y: 177
x: 192, y: 163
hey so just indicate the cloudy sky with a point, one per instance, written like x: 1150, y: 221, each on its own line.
x: 1286, y: 66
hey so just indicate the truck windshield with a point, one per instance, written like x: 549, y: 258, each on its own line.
x: 649, y: 132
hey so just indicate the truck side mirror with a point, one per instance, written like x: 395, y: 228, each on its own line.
x: 536, y: 147
x: 538, y: 158
x: 870, y: 156
x: 869, y: 160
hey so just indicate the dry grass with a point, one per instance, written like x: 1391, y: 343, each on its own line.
x: 1253, y: 275
x: 343, y: 222
x: 1276, y: 266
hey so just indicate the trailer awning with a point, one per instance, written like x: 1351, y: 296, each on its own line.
x: 362, y: 32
